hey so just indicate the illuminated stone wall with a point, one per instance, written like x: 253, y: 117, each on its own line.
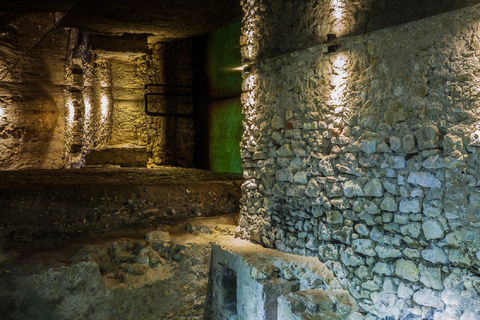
x: 31, y: 102
x: 88, y: 102
x: 109, y: 125
x: 367, y: 157
x: 169, y: 140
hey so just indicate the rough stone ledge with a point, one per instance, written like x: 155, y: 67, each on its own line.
x: 46, y: 205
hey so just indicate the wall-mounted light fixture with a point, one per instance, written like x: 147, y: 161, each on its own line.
x: 241, y: 68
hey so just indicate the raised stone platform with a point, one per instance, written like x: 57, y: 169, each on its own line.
x: 49, y: 207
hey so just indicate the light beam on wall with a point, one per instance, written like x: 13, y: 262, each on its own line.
x: 249, y: 47
x: 249, y: 110
x: 338, y: 8
x: 249, y: 83
x: 70, y: 112
x: 88, y: 108
x: 338, y: 81
x: 104, y: 107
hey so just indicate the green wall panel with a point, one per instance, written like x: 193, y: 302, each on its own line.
x: 223, y: 51
x: 224, y: 106
x: 225, y: 118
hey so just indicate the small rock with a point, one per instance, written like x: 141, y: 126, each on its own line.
x: 411, y: 253
x: 352, y: 189
x: 383, y: 268
x: 300, y: 177
x: 136, y: 269
x: 370, y: 286
x: 407, y: 270
x: 374, y: 188
x: 410, y: 206
x: 389, y: 204
x: 431, y: 277
x: 285, y: 151
x: 429, y: 298
x: 334, y: 217
x: 396, y: 144
x: 404, y: 292
x: 369, y: 146
x: 313, y: 189
x: 385, y: 253
x: 434, y: 255
x: 460, y: 257
x: 364, y: 246
x: 432, y: 229
x: 424, y: 179
x: 433, y: 162
x: 408, y: 142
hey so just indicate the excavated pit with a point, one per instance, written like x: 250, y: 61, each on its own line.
x: 193, y: 270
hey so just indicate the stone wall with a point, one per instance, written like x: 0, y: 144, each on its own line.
x: 106, y: 88
x: 31, y: 111
x: 169, y: 140
x: 364, y: 153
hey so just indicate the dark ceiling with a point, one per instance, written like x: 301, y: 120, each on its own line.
x: 164, y: 18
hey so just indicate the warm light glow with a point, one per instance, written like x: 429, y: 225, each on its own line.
x: 338, y: 81
x: 249, y: 83
x: 88, y: 108
x: 251, y: 99
x: 70, y: 112
x: 337, y: 6
x: 249, y: 48
x: 338, y: 12
x: 104, y: 107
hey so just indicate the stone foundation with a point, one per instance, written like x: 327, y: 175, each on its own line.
x: 197, y: 270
